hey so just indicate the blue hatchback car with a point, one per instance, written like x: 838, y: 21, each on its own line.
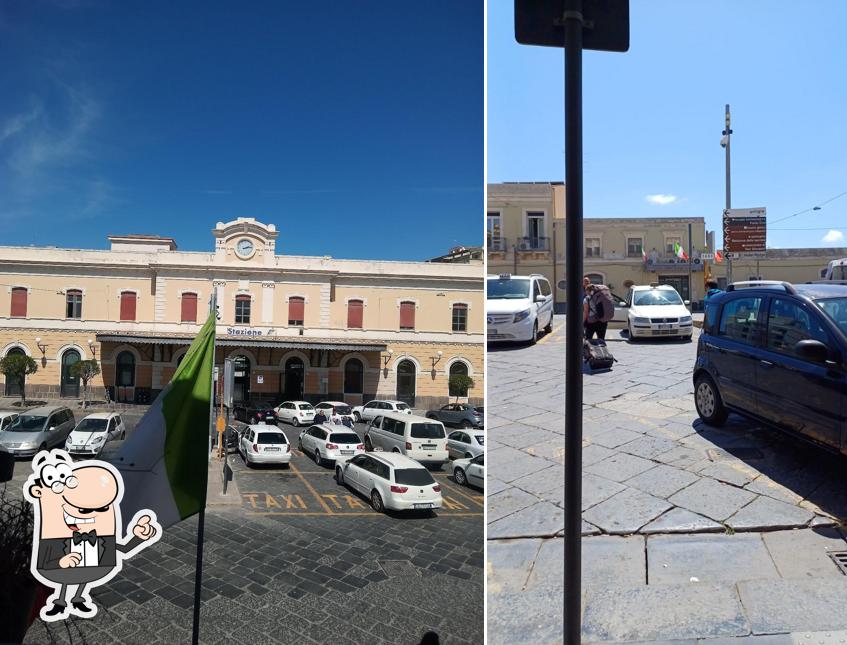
x: 777, y: 352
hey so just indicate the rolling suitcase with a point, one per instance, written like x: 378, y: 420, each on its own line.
x: 597, y: 355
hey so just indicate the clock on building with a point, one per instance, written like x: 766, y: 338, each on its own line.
x: 244, y: 247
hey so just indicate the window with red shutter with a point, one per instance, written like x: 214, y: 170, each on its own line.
x: 19, y: 302
x: 128, y: 299
x: 296, y: 309
x: 355, y: 310
x: 189, y: 307
x: 407, y: 315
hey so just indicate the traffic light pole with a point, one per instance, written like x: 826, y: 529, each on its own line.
x: 573, y: 22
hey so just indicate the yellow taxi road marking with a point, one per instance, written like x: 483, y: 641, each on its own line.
x: 456, y: 491
x: 550, y: 335
x: 312, y: 489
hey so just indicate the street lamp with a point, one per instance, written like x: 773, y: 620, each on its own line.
x: 92, y: 348
x: 725, y: 145
x: 436, y: 358
x: 385, y: 359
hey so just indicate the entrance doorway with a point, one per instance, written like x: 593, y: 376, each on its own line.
x: 294, y: 375
x: 678, y: 282
x: 69, y: 386
x: 241, y: 379
x: 13, y: 388
x: 406, y: 374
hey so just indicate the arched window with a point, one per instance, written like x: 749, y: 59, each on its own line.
x: 595, y: 278
x: 128, y: 302
x: 406, y: 385
x: 73, y: 303
x: 242, y: 310
x: 296, y: 311
x: 125, y: 370
x: 69, y: 384
x: 458, y: 368
x: 354, y: 377
x: 188, y: 311
x: 13, y: 388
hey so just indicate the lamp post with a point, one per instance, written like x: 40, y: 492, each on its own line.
x: 725, y: 145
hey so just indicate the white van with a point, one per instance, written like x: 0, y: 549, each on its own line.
x: 517, y: 307
x: 422, y: 439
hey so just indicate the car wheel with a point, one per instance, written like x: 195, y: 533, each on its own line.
x: 376, y: 502
x: 468, y: 455
x: 300, y: 444
x: 534, y: 338
x: 467, y: 425
x: 368, y: 444
x: 549, y: 328
x: 629, y: 333
x: 295, y: 422
x: 708, y: 401
x: 396, y: 450
x: 339, y: 476
x: 123, y: 434
x: 318, y: 459
x: 459, y: 476
x: 357, y: 417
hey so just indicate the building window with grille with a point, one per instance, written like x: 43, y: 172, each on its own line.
x: 128, y: 305
x: 407, y: 316
x: 296, y: 311
x: 460, y: 317
x: 592, y: 247
x: 73, y: 303
x: 242, y: 310
x: 19, y: 297
x: 188, y: 307
x: 355, y: 309
x: 634, y: 245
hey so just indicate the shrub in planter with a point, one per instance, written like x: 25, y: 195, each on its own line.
x: 18, y: 588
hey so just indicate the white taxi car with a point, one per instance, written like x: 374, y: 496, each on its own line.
x: 470, y: 472
x: 390, y: 481
x: 373, y: 409
x: 92, y: 432
x: 518, y: 307
x: 657, y: 310
x: 329, y: 442
x: 264, y: 444
x: 295, y: 412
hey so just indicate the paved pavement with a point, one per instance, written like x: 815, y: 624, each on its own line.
x: 691, y: 532
x: 299, y: 560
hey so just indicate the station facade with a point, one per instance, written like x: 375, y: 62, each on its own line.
x: 300, y: 327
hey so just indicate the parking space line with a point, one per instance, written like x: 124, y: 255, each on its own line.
x: 312, y: 490
x: 456, y: 491
x: 550, y: 335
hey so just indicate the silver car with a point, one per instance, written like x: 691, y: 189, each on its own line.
x: 38, y: 429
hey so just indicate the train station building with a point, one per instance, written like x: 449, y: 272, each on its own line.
x: 300, y: 327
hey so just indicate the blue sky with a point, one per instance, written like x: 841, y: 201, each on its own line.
x: 356, y: 128
x: 653, y: 116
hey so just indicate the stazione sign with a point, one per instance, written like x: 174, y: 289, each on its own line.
x: 745, y: 232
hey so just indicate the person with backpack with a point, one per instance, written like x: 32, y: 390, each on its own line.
x: 598, y: 310
x: 712, y: 289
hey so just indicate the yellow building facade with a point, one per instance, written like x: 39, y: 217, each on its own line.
x: 301, y: 327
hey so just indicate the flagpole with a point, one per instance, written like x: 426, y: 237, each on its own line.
x: 201, y: 516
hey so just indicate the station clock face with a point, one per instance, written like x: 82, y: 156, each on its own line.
x: 244, y: 247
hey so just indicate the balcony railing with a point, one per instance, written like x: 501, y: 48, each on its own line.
x: 497, y: 244
x: 533, y: 244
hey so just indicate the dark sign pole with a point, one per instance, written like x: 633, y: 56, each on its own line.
x: 573, y: 20
x: 601, y: 25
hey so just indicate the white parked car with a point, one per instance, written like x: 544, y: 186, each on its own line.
x: 657, y: 310
x: 297, y: 413
x: 264, y: 444
x: 390, y: 481
x: 373, y: 409
x: 341, y: 408
x: 7, y: 417
x: 328, y: 442
x: 463, y: 444
x: 518, y: 307
x: 93, y: 432
x: 422, y: 439
x: 470, y: 472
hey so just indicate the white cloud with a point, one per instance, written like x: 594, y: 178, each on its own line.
x: 833, y: 236
x: 661, y: 200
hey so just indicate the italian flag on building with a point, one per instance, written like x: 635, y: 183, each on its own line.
x: 678, y: 250
x: 164, y: 463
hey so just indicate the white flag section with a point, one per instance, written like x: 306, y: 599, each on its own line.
x: 164, y: 463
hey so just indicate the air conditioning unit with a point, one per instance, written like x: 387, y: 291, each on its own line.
x: 524, y: 246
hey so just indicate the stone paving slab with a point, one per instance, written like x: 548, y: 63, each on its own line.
x: 665, y: 612
x: 704, y: 559
x: 766, y: 513
x: 799, y: 554
x: 712, y: 498
x: 793, y: 605
x: 626, y: 512
x: 679, y: 520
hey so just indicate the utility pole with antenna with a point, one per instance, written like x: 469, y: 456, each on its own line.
x: 725, y: 144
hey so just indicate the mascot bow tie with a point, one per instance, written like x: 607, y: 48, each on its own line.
x: 91, y: 536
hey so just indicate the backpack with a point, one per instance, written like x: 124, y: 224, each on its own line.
x: 597, y: 355
x: 602, y: 303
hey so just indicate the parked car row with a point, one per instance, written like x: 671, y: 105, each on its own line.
x: 23, y: 434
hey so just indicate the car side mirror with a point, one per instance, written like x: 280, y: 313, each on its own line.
x: 622, y: 304
x: 540, y: 298
x: 51, y: 428
x: 686, y: 302
x: 812, y: 350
